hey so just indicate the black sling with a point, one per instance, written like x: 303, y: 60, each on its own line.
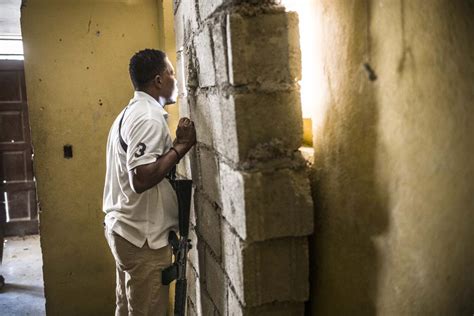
x: 122, y: 142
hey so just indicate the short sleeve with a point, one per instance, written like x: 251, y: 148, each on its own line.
x: 148, y: 139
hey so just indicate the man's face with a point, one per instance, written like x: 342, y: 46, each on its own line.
x: 169, y: 86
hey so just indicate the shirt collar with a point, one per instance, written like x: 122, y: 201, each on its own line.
x: 143, y: 95
x: 140, y: 95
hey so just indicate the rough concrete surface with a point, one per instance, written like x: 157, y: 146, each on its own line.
x: 394, y: 161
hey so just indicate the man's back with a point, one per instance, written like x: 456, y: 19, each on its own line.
x: 153, y: 213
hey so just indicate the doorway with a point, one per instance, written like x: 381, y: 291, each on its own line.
x: 18, y: 192
x: 21, y: 276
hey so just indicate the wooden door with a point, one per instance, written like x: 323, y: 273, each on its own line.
x: 17, y: 184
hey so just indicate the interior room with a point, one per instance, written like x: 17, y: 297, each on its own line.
x: 332, y: 165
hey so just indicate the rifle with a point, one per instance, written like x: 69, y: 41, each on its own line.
x: 180, y: 246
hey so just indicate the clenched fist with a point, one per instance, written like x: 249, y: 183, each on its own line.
x: 185, y: 135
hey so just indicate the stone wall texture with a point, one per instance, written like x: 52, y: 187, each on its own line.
x: 238, y: 64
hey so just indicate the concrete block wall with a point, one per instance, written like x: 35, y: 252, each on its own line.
x: 238, y: 64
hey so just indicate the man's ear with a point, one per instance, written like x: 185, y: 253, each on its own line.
x: 157, y: 81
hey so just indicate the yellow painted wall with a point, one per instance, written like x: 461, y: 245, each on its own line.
x: 394, y: 159
x: 76, y: 62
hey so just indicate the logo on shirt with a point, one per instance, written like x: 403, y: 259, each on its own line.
x: 140, y: 150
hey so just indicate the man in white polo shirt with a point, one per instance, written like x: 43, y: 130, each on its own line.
x: 140, y: 204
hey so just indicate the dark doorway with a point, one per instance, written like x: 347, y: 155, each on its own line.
x: 17, y: 184
x: 21, y: 275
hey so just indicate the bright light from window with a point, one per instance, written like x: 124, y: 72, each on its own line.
x: 11, y: 47
x: 311, y: 83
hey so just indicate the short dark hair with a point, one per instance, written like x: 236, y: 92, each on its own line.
x: 145, y: 65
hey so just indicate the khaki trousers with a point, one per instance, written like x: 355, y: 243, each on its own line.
x: 139, y: 290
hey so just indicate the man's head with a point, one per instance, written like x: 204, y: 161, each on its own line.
x: 151, y: 72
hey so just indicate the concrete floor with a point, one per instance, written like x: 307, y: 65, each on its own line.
x: 22, y: 266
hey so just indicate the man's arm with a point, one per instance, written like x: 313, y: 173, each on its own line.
x: 146, y: 176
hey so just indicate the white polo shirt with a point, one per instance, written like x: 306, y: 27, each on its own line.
x: 148, y: 216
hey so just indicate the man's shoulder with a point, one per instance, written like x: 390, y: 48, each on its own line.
x: 143, y: 110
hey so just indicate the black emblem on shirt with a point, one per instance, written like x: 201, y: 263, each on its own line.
x: 140, y: 150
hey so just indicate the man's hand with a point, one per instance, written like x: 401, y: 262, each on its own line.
x: 146, y: 176
x: 185, y: 136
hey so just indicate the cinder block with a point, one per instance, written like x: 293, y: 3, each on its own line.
x: 204, y: 55
x: 216, y: 109
x: 188, y: 167
x: 216, y: 284
x: 193, y: 256
x: 256, y: 127
x: 203, y: 120
x: 180, y: 74
x: 191, y: 309
x: 233, y: 306
x: 278, y: 203
x: 239, y: 126
x: 207, y: 8
x: 233, y: 199
x: 209, y: 170
x: 265, y: 205
x: 272, y: 309
x: 233, y: 261
x: 192, y: 211
x: 270, y: 271
x: 185, y: 22
x: 201, y: 252
x: 276, y: 309
x: 218, y: 32
x: 236, y: 36
x: 206, y: 304
x: 191, y: 68
x: 208, y: 224
x: 224, y: 126
x: 285, y: 263
x: 184, y: 167
x: 263, y: 49
x: 215, y: 123
x: 186, y: 72
x: 184, y: 110
x: 193, y: 284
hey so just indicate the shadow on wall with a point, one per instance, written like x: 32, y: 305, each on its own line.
x: 350, y: 211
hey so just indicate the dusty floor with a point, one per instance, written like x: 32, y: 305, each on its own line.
x: 23, y: 293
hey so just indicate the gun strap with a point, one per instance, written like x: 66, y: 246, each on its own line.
x: 122, y: 142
